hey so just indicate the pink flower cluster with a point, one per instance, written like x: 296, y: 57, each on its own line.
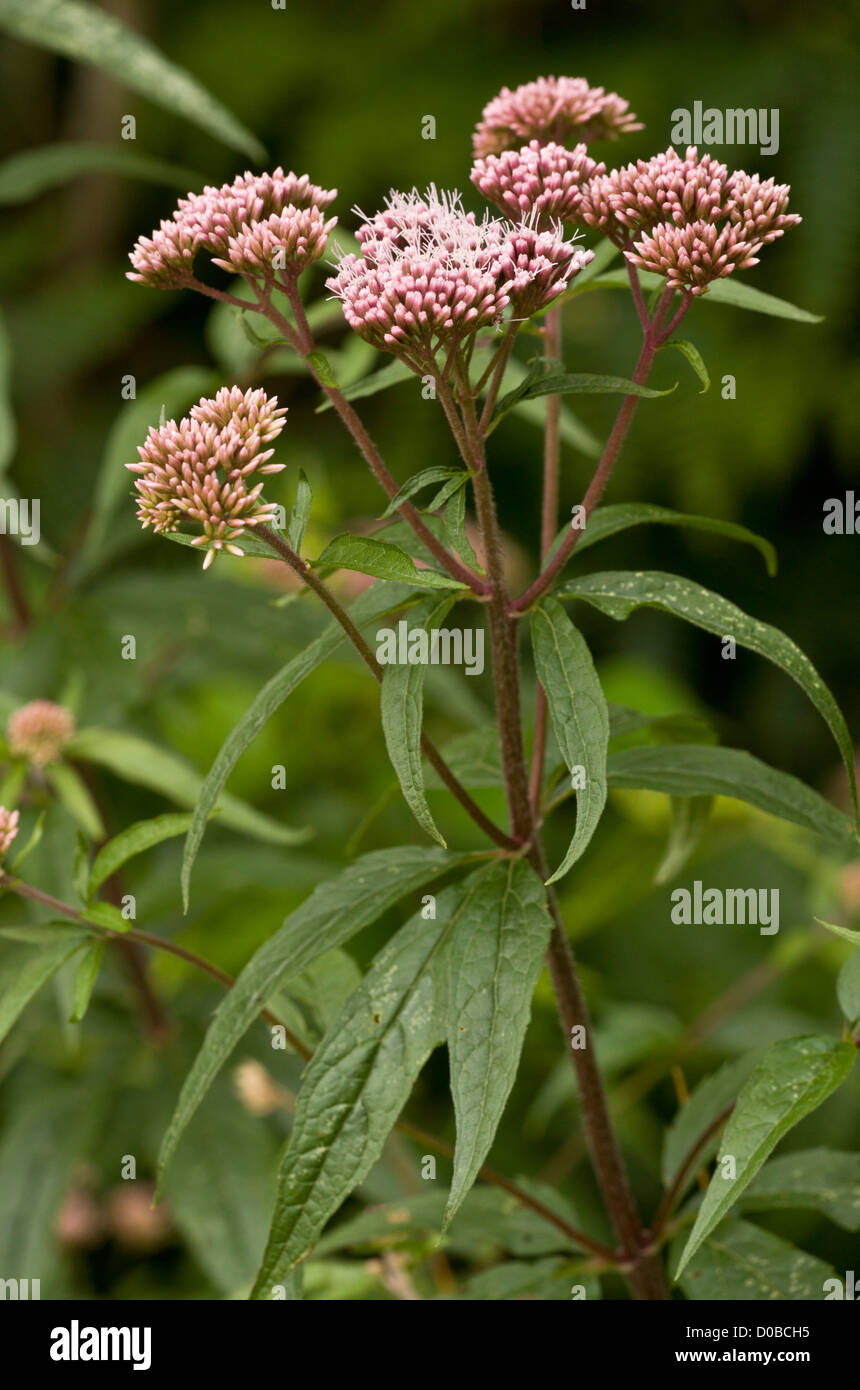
x: 561, y: 109
x: 8, y: 829
x: 204, y: 469
x: 39, y: 731
x: 695, y: 221
x: 254, y: 226
x: 542, y: 179
x: 430, y: 275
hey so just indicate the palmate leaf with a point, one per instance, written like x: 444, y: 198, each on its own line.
x: 402, y: 701
x: 495, y: 956
x: 619, y: 592
x: 358, y: 1082
x: 579, y: 714
x: 741, y: 1261
x: 87, y: 34
x: 792, y: 1079
x: 335, y: 911
x: 696, y: 769
x: 610, y: 520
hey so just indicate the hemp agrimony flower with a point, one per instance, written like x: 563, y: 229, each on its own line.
x: 39, y: 731
x: 562, y: 109
x: 541, y: 179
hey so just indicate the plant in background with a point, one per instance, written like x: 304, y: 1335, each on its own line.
x: 446, y: 293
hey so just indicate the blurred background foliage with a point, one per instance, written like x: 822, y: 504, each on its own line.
x: 340, y: 91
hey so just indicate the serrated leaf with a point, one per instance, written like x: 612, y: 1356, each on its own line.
x: 696, y: 769
x: 367, y: 608
x: 495, y: 956
x: 144, y: 764
x: 382, y: 560
x: 24, y: 972
x: 418, y: 482
x: 402, y: 705
x: 300, y: 514
x: 357, y: 1083
x: 743, y: 1262
x: 694, y: 357
x: 579, y: 715
x: 335, y: 911
x: 822, y: 1180
x: 608, y: 521
x: 708, y: 1100
x: 86, y: 34
x: 74, y: 795
x: 618, y: 593
x: 32, y: 172
x: 848, y: 989
x: 792, y: 1079
x: 132, y: 841
x: 85, y: 979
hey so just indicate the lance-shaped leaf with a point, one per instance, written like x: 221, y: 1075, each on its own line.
x: 741, y: 1261
x: 792, y: 1079
x: 24, y: 971
x: 358, y: 1082
x: 695, y: 359
x: 822, y: 1180
x: 696, y: 1127
x: 367, y: 608
x: 848, y: 989
x: 572, y: 384
x: 580, y: 718
x: 85, y: 978
x: 336, y: 910
x: 86, y: 34
x: 696, y: 769
x: 729, y: 291
x: 402, y: 698
x: 495, y: 956
x: 609, y: 520
x: 30, y: 173
x: 132, y: 841
x: 422, y: 480
x: 382, y: 560
x: 300, y: 514
x: 618, y: 592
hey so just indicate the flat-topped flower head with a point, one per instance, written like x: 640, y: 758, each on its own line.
x: 692, y: 257
x: 288, y: 241
x: 431, y: 275
x: 542, y: 179
x: 760, y: 207
x: 8, y: 829
x: 665, y: 188
x: 214, y: 222
x: 39, y: 731
x: 565, y: 110
x: 210, y: 469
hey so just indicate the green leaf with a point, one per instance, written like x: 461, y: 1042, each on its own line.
x: 335, y: 911
x: 85, y: 978
x: 793, y: 1078
x: 743, y: 1262
x: 822, y: 1180
x: 144, y: 764
x: 580, y: 718
x: 455, y: 527
x: 695, y: 359
x: 31, y: 843
x: 402, y: 704
x: 8, y: 430
x: 32, y: 172
x: 572, y: 431
x: 367, y: 609
x: 696, y: 769
x: 390, y: 375
x: 845, y: 932
x: 39, y: 935
x: 848, y: 989
x: 72, y: 792
x: 608, y: 521
x: 300, y: 513
x: 546, y: 1280
x: 728, y: 291
x: 617, y: 593
x: 81, y: 869
x: 382, y: 560
x: 689, y: 816
x: 105, y: 915
x: 576, y: 384
x: 356, y: 1084
x: 320, y: 364
x: 495, y: 956
x: 131, y: 841
x: 418, y: 481
x: 87, y: 34
x: 22, y: 974
x: 248, y: 544
x: 709, y: 1099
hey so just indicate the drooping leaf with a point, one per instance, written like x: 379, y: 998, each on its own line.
x: 618, y: 593
x: 580, y: 718
x: 87, y: 34
x: 335, y: 911
x: 23, y: 972
x: 382, y: 560
x: 132, y: 841
x: 742, y: 1262
x: 728, y: 291
x: 696, y: 769
x: 792, y: 1079
x: 85, y: 978
x: 357, y: 1083
x: 607, y: 521
x: 574, y: 384
x: 370, y: 606
x: 74, y: 794
x: 495, y: 955
x: 32, y: 172
x: 821, y: 1180
x: 695, y: 359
